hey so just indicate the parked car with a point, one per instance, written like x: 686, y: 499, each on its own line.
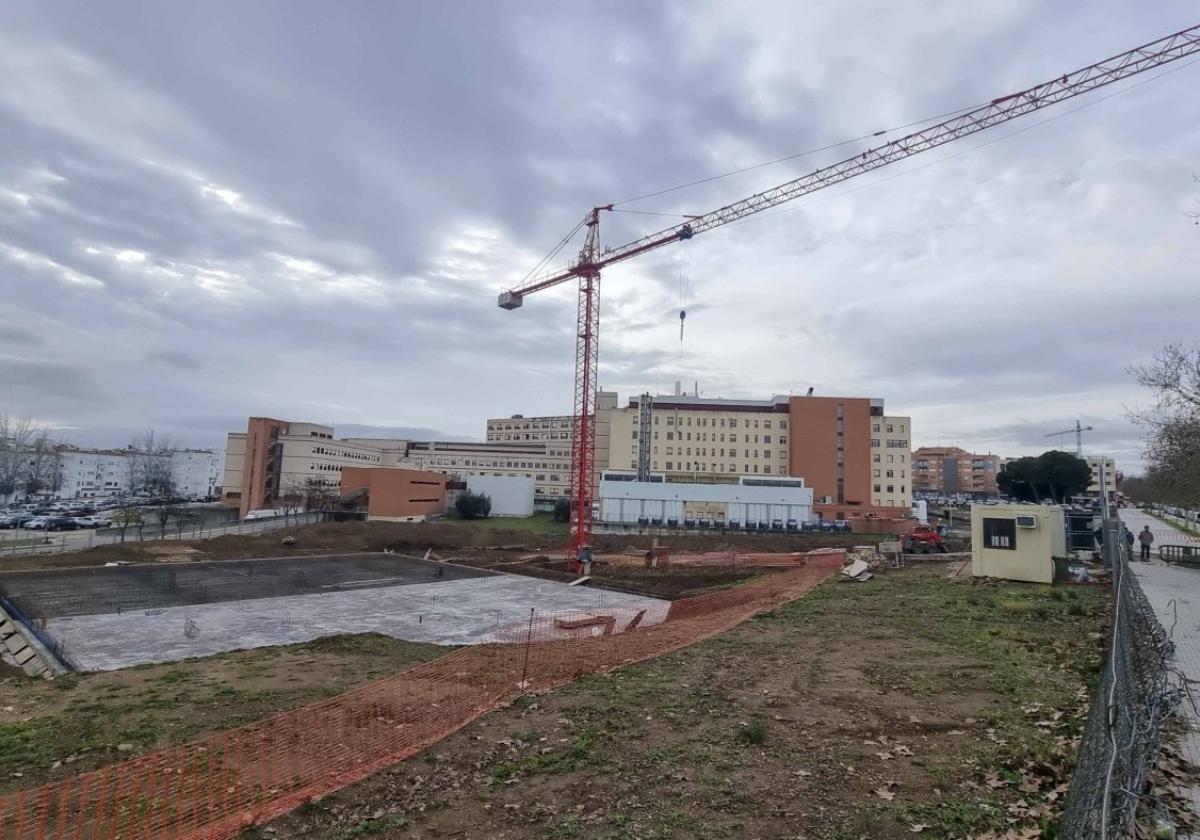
x: 93, y: 522
x: 60, y: 523
x: 15, y: 520
x: 37, y: 523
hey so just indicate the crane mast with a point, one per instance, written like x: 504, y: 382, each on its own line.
x: 587, y: 267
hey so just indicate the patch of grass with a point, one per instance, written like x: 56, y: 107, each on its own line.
x: 371, y: 828
x: 541, y: 523
x: 754, y: 732
x: 575, y: 757
x: 956, y: 817
x: 566, y: 827
x: 86, y: 716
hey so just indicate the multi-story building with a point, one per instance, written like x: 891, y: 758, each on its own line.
x: 830, y: 442
x: 275, y: 457
x: 891, y: 462
x: 949, y: 471
x: 93, y: 473
x: 1110, y: 474
x: 77, y: 473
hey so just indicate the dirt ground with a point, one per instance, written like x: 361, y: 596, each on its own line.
x: 912, y: 704
x: 450, y: 540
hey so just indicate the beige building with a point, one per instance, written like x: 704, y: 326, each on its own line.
x: 275, y: 457
x: 856, y: 458
x: 552, y: 473
x: 891, y: 462
x: 1110, y: 474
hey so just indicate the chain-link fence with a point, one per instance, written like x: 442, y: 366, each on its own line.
x: 24, y: 543
x: 1134, y: 698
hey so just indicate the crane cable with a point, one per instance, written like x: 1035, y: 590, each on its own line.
x: 784, y: 159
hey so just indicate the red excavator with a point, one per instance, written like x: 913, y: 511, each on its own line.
x: 922, y: 540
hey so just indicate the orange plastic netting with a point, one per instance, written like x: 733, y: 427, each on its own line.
x: 217, y: 786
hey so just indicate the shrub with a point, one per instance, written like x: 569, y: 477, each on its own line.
x: 473, y: 505
x: 562, y: 510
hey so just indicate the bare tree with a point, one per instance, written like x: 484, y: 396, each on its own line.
x: 183, y: 517
x: 1173, y: 446
x: 126, y: 517
x: 27, y: 456
x: 151, y: 468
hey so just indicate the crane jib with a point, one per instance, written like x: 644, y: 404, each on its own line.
x: 1000, y: 110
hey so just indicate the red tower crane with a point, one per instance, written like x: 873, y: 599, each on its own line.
x: 592, y: 260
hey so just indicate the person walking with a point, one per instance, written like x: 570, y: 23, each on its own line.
x: 1146, y: 538
x: 1129, y: 541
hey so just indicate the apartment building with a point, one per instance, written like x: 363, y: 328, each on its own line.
x: 949, y: 470
x: 1110, y: 474
x: 97, y: 473
x: 833, y: 443
x: 891, y: 462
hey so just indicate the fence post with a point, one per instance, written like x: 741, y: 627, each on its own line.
x: 528, y: 642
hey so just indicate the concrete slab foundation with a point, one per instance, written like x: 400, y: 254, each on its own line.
x: 450, y: 612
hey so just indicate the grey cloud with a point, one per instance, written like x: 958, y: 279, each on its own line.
x: 175, y: 359
x: 17, y: 336
x: 327, y: 235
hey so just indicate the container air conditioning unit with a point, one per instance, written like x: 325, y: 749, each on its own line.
x: 1026, y: 521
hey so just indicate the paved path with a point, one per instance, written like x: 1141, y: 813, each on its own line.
x: 1163, y: 585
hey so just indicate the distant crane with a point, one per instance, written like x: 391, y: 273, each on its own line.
x: 1078, y: 432
x: 592, y: 258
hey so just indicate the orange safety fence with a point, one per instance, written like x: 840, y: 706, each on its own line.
x: 218, y: 786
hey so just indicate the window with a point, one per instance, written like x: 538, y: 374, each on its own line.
x: 876, y: 488
x: 891, y: 488
x: 891, y: 459
x: 767, y: 468
x: 876, y: 473
x: 782, y: 440
x: 876, y: 458
x: 783, y: 424
x: 766, y: 438
x: 889, y: 428
x: 897, y: 444
x: 670, y: 436
x: 890, y: 474
x: 635, y: 434
x: 766, y: 424
x: 875, y: 443
x: 875, y: 428
x: 733, y: 422
x: 1000, y: 533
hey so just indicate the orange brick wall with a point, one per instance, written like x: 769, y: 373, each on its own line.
x: 397, y: 493
x: 812, y: 448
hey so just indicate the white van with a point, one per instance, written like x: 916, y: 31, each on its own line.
x: 266, y: 513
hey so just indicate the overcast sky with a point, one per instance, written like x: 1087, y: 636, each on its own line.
x: 306, y: 210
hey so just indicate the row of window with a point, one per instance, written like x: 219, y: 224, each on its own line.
x: 696, y: 467
x: 890, y: 488
x: 702, y: 451
x: 890, y: 428
x: 718, y: 422
x: 702, y: 437
x: 891, y: 459
x: 890, y: 474
x: 342, y: 453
